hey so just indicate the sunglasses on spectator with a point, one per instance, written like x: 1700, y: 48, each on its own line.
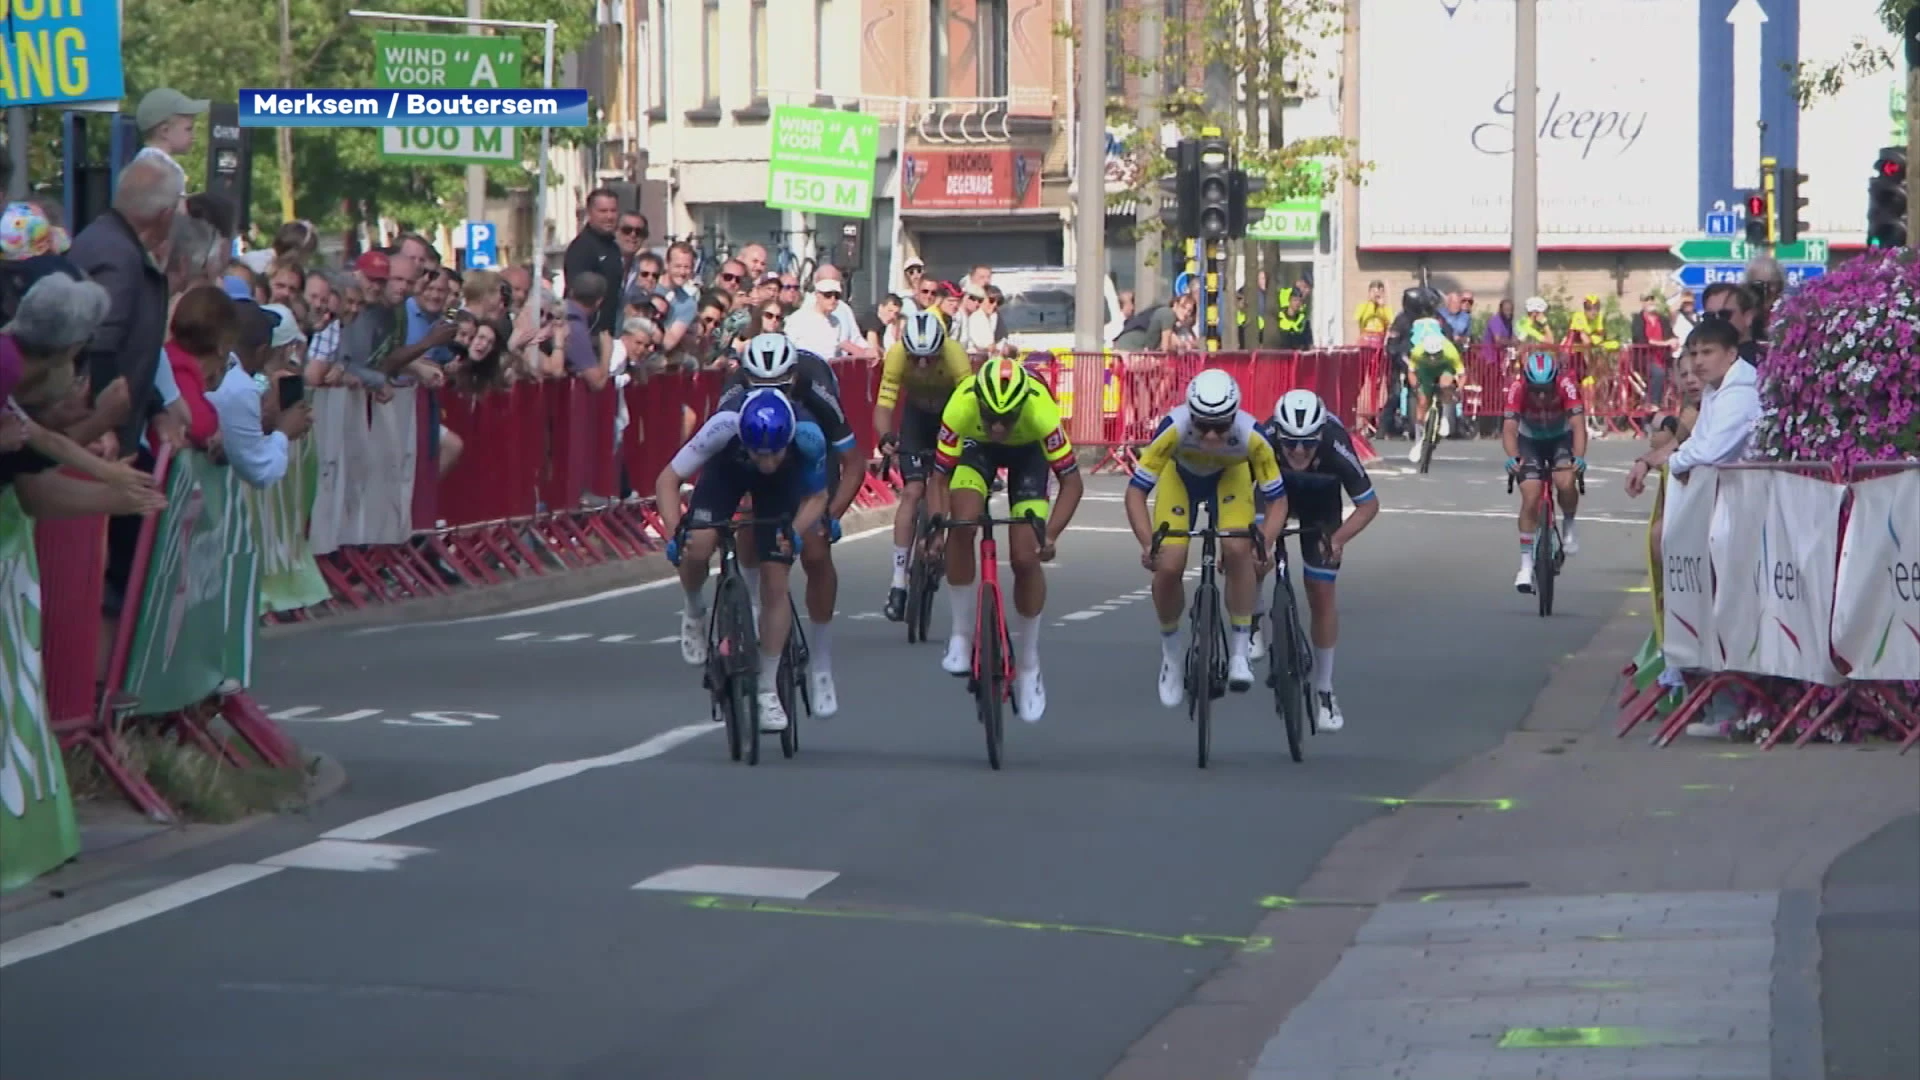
x: 646, y: 273
x: 731, y: 278
x: 633, y: 230
x: 772, y: 316
x: 1717, y: 314
x: 789, y: 288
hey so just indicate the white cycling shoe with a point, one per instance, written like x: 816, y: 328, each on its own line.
x: 1524, y: 579
x: 1029, y: 696
x: 1327, y: 714
x: 1568, y: 542
x: 1173, y: 680
x: 773, y: 717
x: 820, y: 690
x: 959, y: 658
x: 1239, y: 674
x: 693, y: 637
x: 1413, y: 455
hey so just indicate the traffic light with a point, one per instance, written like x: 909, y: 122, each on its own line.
x: 1183, y: 187
x: 1887, y: 200
x: 1788, y: 202
x: 1215, y: 187
x: 1237, y: 204
x: 1756, y: 218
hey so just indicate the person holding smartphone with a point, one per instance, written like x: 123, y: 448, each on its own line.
x: 257, y: 425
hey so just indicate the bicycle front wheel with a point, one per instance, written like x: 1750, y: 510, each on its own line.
x: 1432, y: 436
x: 1202, y: 656
x: 990, y: 683
x: 1546, y: 567
x: 1291, y: 691
x: 742, y: 645
x: 919, y: 593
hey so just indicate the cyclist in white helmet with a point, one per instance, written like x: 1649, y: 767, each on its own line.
x: 925, y: 365
x: 810, y: 384
x: 1206, y: 451
x: 1318, y: 461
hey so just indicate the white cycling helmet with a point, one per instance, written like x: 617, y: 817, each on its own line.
x: 923, y: 335
x: 1299, y: 414
x: 1213, y: 396
x: 769, y: 358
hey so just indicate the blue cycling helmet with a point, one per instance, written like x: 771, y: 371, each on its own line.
x: 1541, y: 367
x: 766, y: 422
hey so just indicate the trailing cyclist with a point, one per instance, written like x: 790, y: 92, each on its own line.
x: 1206, y: 452
x: 772, y: 360
x: 1318, y: 464
x: 757, y: 446
x: 1435, y: 369
x: 1543, y: 426
x: 927, y: 365
x: 1002, y: 418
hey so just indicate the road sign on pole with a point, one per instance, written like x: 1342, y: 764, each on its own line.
x: 1701, y: 275
x: 1800, y: 273
x: 1723, y: 223
x: 822, y: 161
x: 1813, y: 249
x: 410, y: 61
x: 483, y: 246
x: 1716, y: 249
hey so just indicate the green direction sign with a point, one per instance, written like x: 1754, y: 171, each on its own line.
x: 1717, y: 249
x: 1811, y: 250
x: 404, y: 61
x: 1292, y: 220
x: 822, y: 161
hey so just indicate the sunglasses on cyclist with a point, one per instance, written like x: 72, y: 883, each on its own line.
x: 1299, y: 445
x: 1212, y: 427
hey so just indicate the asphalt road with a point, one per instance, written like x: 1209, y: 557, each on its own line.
x: 953, y: 935
x: 1870, y: 957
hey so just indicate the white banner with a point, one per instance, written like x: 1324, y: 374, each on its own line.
x: 1619, y: 126
x: 1876, y: 607
x: 365, y: 489
x: 1739, y: 518
x: 1798, y: 547
x: 1687, y: 571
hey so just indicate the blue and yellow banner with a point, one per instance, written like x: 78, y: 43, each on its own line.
x: 57, y: 51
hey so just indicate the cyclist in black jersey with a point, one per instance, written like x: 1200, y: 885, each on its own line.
x: 809, y: 381
x: 1321, y: 469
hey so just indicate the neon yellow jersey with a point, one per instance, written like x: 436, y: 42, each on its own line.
x: 1447, y: 358
x: 1176, y: 443
x: 1039, y: 424
x: 926, y: 387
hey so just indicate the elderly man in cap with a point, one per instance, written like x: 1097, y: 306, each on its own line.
x: 166, y: 118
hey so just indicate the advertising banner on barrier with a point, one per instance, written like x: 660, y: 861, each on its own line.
x: 201, y: 599
x: 1745, y: 498
x: 1686, y: 572
x: 364, y: 493
x: 290, y: 579
x: 1876, y: 605
x: 1798, y: 548
x: 37, y: 828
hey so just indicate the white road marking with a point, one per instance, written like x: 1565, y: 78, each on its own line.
x: 127, y: 912
x: 570, y: 637
x: 770, y: 882
x: 405, y: 817
x: 301, y: 713
x: 864, y: 615
x: 671, y: 639
x: 521, y: 636
x: 345, y: 856
x: 1080, y: 616
x: 615, y: 639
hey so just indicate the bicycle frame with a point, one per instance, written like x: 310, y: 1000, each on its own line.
x: 989, y: 571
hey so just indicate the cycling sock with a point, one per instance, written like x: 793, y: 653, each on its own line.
x: 696, y: 601
x: 964, y: 603
x: 820, y: 645
x: 1242, y: 638
x: 899, y: 567
x: 1323, y: 669
x: 1170, y: 641
x: 769, y: 671
x: 1026, y: 641
x: 1566, y: 523
x: 1526, y: 546
x: 752, y: 574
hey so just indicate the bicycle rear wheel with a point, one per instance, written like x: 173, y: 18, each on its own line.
x: 1289, y: 665
x: 791, y: 686
x: 990, y: 683
x: 919, y: 596
x: 742, y: 645
x: 1201, y: 656
x: 1546, y: 558
x: 1431, y: 438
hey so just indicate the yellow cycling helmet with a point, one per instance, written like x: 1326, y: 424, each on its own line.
x: 1003, y: 387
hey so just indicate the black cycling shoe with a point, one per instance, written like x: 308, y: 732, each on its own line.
x: 896, y: 610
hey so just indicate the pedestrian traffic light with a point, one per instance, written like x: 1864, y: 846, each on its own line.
x: 1237, y: 204
x: 1183, y: 187
x: 1756, y: 218
x: 1215, y: 186
x: 1887, y: 200
x: 1788, y: 202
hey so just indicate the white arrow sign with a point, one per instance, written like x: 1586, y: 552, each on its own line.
x: 1748, y: 20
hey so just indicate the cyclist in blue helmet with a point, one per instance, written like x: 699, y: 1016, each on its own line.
x: 756, y: 445
x: 1544, y: 432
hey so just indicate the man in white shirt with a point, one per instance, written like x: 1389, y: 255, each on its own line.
x: 1729, y: 408
x: 816, y: 328
x: 258, y: 455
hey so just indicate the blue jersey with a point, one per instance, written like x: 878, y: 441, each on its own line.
x: 718, y: 443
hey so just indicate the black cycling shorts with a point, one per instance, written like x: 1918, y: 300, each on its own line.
x: 1027, y: 473
x: 1533, y: 452
x: 1319, y: 518
x: 919, y: 433
x: 725, y: 481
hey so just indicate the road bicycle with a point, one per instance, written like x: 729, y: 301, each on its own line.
x: 1549, y: 551
x: 790, y: 682
x: 990, y: 680
x: 1290, y: 654
x: 923, y: 571
x: 1206, y: 660
x: 732, y: 670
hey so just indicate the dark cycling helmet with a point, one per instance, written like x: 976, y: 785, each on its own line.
x: 1419, y: 302
x: 1541, y: 368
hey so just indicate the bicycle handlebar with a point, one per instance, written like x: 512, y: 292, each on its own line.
x: 1579, y: 479
x: 1164, y: 532
x: 941, y: 521
x: 729, y: 526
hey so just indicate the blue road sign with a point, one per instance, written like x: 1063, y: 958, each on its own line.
x: 483, y: 246
x: 1701, y: 275
x: 1723, y: 223
x: 1801, y: 273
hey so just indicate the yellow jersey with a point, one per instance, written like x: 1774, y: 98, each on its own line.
x: 1175, y: 442
x: 928, y: 387
x: 1039, y: 424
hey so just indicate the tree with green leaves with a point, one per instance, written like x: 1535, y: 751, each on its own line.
x: 1815, y: 81
x: 214, y: 48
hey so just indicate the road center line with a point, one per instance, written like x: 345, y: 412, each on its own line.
x: 127, y: 912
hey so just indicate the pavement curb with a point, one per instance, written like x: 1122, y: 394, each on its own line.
x: 555, y: 585
x: 88, y: 870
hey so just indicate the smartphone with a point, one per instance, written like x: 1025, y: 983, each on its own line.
x: 292, y: 391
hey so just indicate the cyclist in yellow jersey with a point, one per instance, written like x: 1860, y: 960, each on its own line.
x: 1436, y: 366
x: 1207, y: 451
x: 1002, y: 418
x: 926, y: 365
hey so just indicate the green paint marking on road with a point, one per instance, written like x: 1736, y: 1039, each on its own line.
x: 1603, y: 985
x: 1706, y: 787
x: 1431, y: 897
x: 1255, y: 943
x: 1281, y: 903
x: 1468, y: 804
x: 1610, y: 1038
x: 1735, y: 755
x: 1603, y: 937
